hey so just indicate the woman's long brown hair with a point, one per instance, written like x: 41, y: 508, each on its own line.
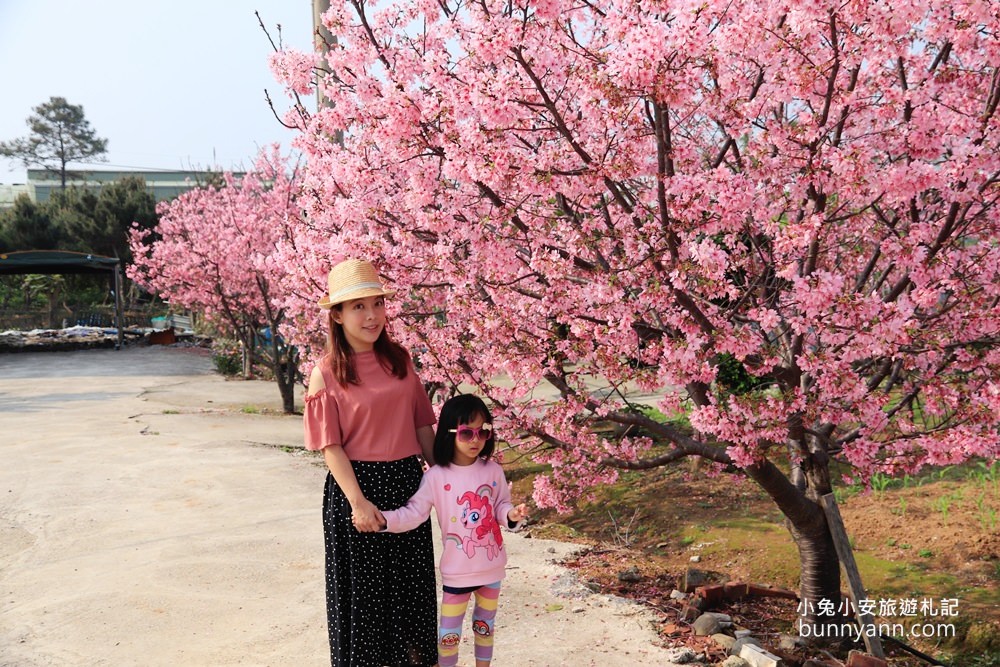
x: 389, y: 353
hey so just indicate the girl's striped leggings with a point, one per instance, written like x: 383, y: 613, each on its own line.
x: 454, y: 603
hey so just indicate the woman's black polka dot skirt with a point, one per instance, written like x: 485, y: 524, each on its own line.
x: 381, y: 599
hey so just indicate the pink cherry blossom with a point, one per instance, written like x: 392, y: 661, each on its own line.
x: 778, y: 218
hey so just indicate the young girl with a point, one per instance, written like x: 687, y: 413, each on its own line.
x: 471, y: 497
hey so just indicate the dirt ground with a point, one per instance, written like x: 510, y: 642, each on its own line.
x: 153, y: 513
x: 932, y: 537
x: 963, y: 539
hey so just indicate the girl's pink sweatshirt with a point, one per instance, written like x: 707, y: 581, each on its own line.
x: 472, y: 503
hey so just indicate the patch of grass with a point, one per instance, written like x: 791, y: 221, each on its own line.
x: 250, y: 410
x: 519, y: 468
x: 171, y: 412
x: 681, y: 421
x: 768, y: 550
x: 895, y: 578
x: 557, y: 531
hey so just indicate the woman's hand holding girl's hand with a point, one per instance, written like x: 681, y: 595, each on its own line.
x: 366, y: 517
x: 518, y: 513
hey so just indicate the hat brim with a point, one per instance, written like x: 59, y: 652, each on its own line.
x: 326, y: 304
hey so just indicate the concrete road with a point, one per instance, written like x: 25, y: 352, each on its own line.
x: 154, y: 513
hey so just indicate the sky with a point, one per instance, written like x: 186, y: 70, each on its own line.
x: 175, y: 84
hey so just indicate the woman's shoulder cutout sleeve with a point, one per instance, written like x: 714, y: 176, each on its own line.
x: 321, y: 419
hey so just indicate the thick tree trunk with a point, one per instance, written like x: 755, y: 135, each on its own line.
x: 820, y: 608
x: 821, y: 611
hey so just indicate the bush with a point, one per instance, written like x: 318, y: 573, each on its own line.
x: 227, y: 357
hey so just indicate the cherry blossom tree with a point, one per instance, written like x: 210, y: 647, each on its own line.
x: 213, y: 252
x: 780, y: 216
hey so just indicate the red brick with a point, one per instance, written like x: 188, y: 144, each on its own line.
x: 711, y: 594
x: 736, y: 590
x: 859, y: 659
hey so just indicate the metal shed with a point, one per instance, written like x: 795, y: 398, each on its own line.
x: 65, y: 262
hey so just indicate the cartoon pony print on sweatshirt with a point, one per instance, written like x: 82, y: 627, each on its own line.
x: 480, y: 522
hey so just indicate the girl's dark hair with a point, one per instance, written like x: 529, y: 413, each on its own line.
x: 460, y: 409
x: 389, y: 353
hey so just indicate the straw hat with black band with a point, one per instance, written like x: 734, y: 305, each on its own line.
x: 352, y: 279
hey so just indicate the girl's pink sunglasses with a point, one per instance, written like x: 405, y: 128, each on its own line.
x: 469, y: 434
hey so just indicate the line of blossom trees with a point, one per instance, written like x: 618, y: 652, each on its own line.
x: 214, y: 252
x: 782, y: 217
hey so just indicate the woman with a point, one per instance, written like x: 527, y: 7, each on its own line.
x: 367, y: 411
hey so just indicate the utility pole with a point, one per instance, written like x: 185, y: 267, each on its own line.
x: 322, y: 40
